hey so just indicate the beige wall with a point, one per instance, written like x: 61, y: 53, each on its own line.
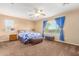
x: 38, y: 26
x: 19, y: 24
x: 71, y: 28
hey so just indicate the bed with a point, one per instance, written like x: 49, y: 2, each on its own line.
x: 30, y: 37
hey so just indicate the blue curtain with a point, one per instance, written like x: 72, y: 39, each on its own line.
x: 60, y: 21
x: 44, y: 25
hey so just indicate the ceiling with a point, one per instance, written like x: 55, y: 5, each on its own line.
x: 23, y: 10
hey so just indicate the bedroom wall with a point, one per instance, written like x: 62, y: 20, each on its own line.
x: 71, y: 27
x: 19, y: 24
x: 38, y: 26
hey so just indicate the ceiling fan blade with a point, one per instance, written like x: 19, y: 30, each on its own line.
x: 43, y: 14
x: 41, y: 10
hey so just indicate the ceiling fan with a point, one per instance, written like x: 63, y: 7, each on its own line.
x: 37, y: 13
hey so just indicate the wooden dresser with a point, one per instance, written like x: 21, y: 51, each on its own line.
x: 13, y: 37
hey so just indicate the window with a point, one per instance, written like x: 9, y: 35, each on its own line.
x: 52, y: 27
x: 9, y: 24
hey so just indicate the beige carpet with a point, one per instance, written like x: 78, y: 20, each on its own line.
x: 46, y: 48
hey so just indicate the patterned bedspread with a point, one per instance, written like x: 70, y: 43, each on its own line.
x: 25, y: 36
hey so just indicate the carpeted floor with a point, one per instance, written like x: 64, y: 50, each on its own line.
x: 46, y: 48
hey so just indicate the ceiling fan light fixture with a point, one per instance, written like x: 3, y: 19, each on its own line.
x: 37, y: 14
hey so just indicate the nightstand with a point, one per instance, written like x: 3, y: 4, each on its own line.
x: 13, y: 37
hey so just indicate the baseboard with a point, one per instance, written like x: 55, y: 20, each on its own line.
x: 67, y: 43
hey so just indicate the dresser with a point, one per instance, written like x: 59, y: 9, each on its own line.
x: 12, y: 37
